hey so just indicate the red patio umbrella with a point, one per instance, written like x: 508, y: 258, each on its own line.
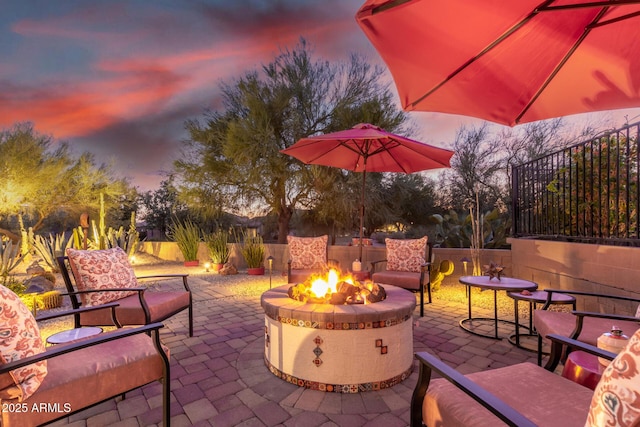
x: 368, y: 148
x: 509, y: 62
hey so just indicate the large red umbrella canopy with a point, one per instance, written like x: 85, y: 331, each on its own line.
x: 368, y: 148
x: 509, y: 62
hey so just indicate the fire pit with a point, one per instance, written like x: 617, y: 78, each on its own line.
x: 351, y: 347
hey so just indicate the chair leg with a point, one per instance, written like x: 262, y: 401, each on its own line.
x: 190, y: 320
x: 539, y: 350
x: 422, y: 302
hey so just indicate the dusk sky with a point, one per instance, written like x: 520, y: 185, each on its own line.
x: 119, y: 78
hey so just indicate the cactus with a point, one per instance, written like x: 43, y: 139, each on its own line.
x: 9, y: 257
x: 50, y: 248
x: 439, y: 270
x: 25, y: 241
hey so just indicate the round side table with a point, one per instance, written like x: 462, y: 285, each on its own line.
x: 508, y: 284
x: 533, y: 298
x: 583, y: 368
x: 70, y: 335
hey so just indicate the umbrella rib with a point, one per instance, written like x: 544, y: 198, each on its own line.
x: 614, y: 20
x: 560, y: 64
x: 588, y: 5
x: 484, y: 51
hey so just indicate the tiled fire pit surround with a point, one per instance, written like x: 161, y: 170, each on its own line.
x: 339, y: 348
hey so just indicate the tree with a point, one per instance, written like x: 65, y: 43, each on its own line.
x: 41, y: 181
x: 161, y: 205
x: 234, y: 159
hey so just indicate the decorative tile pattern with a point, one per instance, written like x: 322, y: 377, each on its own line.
x: 383, y: 348
x: 267, y: 338
x: 343, y: 326
x: 338, y: 388
x: 317, y: 351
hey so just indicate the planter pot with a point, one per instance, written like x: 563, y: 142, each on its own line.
x: 192, y: 263
x: 259, y: 271
x: 216, y: 267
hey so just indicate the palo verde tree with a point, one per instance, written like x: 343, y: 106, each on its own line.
x: 40, y: 180
x: 233, y: 159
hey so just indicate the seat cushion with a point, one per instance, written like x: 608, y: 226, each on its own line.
x: 106, y: 369
x: 616, y: 399
x: 403, y: 279
x: 162, y: 304
x: 545, y: 398
x: 406, y: 255
x: 563, y: 323
x: 19, y: 338
x: 101, y: 269
x: 307, y: 252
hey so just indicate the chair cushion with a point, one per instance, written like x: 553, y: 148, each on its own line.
x: 307, y: 252
x: 403, y: 279
x: 616, y: 399
x: 563, y: 323
x: 162, y: 304
x: 102, y: 269
x: 19, y: 338
x: 406, y: 255
x: 545, y: 398
x: 107, y: 370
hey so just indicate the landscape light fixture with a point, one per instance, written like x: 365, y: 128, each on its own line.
x: 270, y: 263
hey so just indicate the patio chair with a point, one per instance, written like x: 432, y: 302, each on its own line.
x: 39, y: 385
x: 307, y: 256
x: 101, y: 276
x: 583, y: 326
x: 526, y: 395
x: 407, y: 265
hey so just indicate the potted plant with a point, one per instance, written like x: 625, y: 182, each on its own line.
x: 217, y: 243
x: 187, y: 235
x: 253, y: 250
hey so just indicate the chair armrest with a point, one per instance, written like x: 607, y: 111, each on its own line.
x: 168, y: 276
x: 499, y: 408
x: 550, y: 293
x: 558, y: 342
x: 111, y: 305
x: 88, y: 291
x: 77, y: 345
x: 580, y: 315
x: 606, y: 315
x: 374, y: 264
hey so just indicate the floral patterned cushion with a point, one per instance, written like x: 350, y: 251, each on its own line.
x: 19, y: 338
x: 102, y: 269
x: 307, y: 252
x: 616, y: 399
x: 406, y: 255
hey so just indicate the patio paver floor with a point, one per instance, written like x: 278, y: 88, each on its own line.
x: 219, y: 377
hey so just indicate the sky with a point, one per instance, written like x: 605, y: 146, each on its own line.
x: 120, y: 78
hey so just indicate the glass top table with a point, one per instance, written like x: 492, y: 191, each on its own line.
x: 70, y: 335
x: 508, y: 284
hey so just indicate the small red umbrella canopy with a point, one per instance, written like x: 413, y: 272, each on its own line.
x: 509, y: 62
x: 368, y: 148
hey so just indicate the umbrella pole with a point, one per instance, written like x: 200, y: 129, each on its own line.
x: 364, y: 180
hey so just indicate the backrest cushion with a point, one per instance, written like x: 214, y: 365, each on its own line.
x: 102, y: 269
x: 406, y: 255
x: 19, y: 338
x: 307, y: 252
x: 616, y: 399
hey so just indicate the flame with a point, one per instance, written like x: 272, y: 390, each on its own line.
x: 322, y: 287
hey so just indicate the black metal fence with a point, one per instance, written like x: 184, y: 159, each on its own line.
x: 586, y: 193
